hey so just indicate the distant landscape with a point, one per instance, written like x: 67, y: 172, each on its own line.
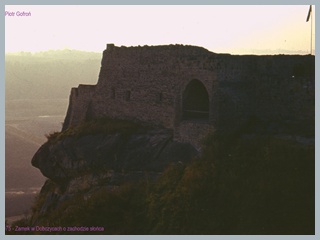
x: 37, y: 92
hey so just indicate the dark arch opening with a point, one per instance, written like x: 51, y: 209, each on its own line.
x: 195, y: 101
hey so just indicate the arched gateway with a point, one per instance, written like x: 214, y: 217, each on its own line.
x: 195, y: 101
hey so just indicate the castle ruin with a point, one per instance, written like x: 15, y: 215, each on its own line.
x: 192, y: 91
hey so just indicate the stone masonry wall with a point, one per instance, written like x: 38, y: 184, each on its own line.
x: 273, y: 88
x: 148, y: 83
x: 79, y: 109
x: 154, y: 77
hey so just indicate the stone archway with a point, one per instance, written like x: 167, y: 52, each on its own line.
x: 195, y: 101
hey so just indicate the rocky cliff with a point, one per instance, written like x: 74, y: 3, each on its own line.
x: 92, y: 161
x: 101, y: 178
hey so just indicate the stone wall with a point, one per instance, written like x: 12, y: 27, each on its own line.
x: 79, y: 109
x: 273, y: 88
x: 148, y: 84
x: 193, y: 132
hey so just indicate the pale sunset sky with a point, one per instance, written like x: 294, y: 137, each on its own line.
x: 235, y: 29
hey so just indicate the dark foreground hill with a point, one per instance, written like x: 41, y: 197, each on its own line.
x: 122, y: 178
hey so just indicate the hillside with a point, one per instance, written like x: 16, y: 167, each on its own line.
x: 137, y: 182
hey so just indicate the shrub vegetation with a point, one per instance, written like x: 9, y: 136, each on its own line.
x: 97, y: 126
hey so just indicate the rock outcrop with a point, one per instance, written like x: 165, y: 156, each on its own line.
x: 84, y: 164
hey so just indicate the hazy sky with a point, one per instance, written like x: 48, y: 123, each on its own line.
x: 229, y: 29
